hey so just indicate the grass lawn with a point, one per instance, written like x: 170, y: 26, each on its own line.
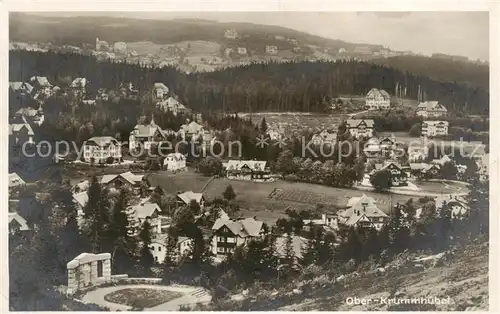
x: 141, y: 297
x: 258, y: 199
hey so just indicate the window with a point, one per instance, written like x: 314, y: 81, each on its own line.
x: 220, y: 249
x: 156, y: 258
x: 231, y: 240
x: 99, y: 268
x: 159, y: 248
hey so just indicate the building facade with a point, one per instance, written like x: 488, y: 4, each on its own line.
x: 360, y: 127
x: 377, y: 99
x: 102, y: 149
x: 431, y: 109
x: 434, y: 128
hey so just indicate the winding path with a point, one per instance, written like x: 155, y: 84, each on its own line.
x: 192, y: 296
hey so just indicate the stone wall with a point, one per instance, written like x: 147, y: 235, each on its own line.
x: 83, y: 271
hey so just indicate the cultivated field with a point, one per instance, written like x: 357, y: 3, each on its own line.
x: 269, y: 201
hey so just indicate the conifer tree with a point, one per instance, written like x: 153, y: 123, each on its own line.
x: 145, y: 257
x: 96, y: 214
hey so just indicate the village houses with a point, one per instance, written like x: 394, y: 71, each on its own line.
x: 431, y: 109
x: 424, y: 170
x: 128, y: 91
x: 158, y: 247
x: 172, y: 105
x: 272, y: 50
x: 34, y: 116
x: 377, y: 99
x: 399, y: 177
x: 145, y: 135
x: 127, y: 180
x: 324, y: 137
x: 174, y: 162
x: 228, y: 234
x: 360, y: 127
x: 41, y: 86
x: 79, y: 86
x: 23, y: 88
x: 20, y: 132
x: 249, y: 170
x: 191, y: 130
x: 160, y: 91
x: 102, y: 149
x: 362, y: 212
x: 380, y: 148
x: 434, y: 128
x: 230, y: 34
x: 15, y: 181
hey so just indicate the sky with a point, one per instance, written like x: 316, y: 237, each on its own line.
x: 456, y: 33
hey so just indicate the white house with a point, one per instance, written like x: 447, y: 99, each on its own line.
x: 102, y: 149
x: 192, y: 129
x: 360, y: 127
x: 15, y: 180
x: 242, y: 50
x: 117, y: 181
x: 430, y: 109
x: 378, y: 99
x: 158, y: 247
x: 174, y: 162
x: 17, y: 223
x: 228, y: 234
x: 160, y: 91
x: 21, y: 132
x: 434, y: 128
x: 79, y: 85
x: 274, y: 134
x: 230, y: 34
x: 271, y: 50
x: 362, y: 211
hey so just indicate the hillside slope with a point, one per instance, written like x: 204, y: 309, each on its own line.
x: 463, y: 277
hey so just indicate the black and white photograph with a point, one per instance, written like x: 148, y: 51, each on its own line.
x: 248, y: 160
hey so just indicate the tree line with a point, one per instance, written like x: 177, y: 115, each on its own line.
x: 251, y: 88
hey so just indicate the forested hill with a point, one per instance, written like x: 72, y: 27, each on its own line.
x: 256, y: 87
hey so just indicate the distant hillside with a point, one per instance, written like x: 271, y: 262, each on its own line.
x: 84, y: 29
x: 444, y: 70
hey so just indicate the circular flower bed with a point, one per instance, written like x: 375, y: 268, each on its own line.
x: 142, y: 297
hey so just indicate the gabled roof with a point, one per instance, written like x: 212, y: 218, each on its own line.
x: 17, y: 127
x: 256, y: 165
x: 146, y: 210
x: 23, y: 224
x: 159, y: 85
x: 27, y: 112
x: 298, y: 245
x: 188, y: 196
x: 147, y: 130
x: 102, y: 140
x: 431, y: 106
x: 247, y: 227
x: 81, y: 198
x: 16, y: 86
x: 15, y: 180
x: 460, y: 206
x: 360, y: 208
x: 176, y: 156
x: 41, y: 81
x: 354, y: 123
x: 374, y: 92
x: 82, y: 186
x: 192, y: 127
x: 128, y: 176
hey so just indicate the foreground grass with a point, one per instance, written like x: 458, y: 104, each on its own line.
x: 142, y: 297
